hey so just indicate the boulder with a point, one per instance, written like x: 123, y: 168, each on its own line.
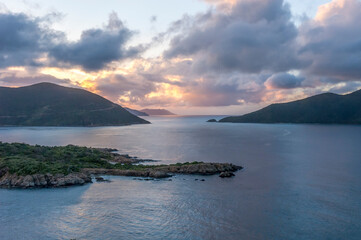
x: 101, y: 179
x: 226, y: 174
x: 158, y: 174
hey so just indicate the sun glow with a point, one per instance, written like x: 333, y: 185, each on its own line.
x: 329, y: 9
x: 174, y: 78
x: 166, y: 90
x: 72, y: 74
x: 20, y: 69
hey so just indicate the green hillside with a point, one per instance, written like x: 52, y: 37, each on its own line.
x: 327, y: 108
x: 47, y: 104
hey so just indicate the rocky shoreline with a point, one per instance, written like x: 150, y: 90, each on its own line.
x: 8, y: 180
x: 20, y: 168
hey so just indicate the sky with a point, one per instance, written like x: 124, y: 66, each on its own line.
x: 225, y: 57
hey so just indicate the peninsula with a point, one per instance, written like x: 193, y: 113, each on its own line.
x: 28, y: 166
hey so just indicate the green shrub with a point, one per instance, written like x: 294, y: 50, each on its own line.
x: 24, y: 159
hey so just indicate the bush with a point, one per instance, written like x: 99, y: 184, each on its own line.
x: 24, y: 159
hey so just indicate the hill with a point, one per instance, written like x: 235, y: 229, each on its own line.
x: 327, y: 108
x: 136, y: 112
x: 157, y: 112
x: 47, y: 104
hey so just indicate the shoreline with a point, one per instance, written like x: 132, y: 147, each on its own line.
x: 112, y: 163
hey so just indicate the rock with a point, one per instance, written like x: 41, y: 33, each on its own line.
x: 159, y: 174
x: 126, y: 159
x: 212, y: 120
x: 43, y: 180
x: 201, y: 168
x: 108, y: 150
x: 27, y: 182
x: 100, y: 179
x: 226, y: 174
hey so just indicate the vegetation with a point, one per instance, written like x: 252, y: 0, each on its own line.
x: 47, y: 104
x: 24, y: 159
x: 325, y: 108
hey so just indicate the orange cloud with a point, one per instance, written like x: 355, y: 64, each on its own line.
x: 332, y: 9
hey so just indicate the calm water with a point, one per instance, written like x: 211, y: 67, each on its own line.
x: 299, y: 182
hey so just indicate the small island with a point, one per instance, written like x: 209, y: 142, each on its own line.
x: 35, y: 166
x: 212, y: 120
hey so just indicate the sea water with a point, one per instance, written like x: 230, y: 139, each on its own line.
x: 298, y: 182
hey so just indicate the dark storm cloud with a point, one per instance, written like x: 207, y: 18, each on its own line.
x: 97, y: 47
x: 23, y: 40
x: 254, y: 36
x: 284, y: 81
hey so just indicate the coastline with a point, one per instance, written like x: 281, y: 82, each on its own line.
x: 111, y: 164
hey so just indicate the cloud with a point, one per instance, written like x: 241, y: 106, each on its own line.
x: 28, y: 41
x: 332, y: 41
x: 97, y: 47
x: 284, y: 81
x: 23, y: 40
x: 236, y: 53
x: 153, y: 19
x: 129, y: 89
x: 11, y: 80
x: 346, y: 87
x: 256, y: 35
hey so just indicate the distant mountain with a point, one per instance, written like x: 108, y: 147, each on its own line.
x: 327, y: 108
x: 47, y: 104
x: 136, y: 112
x: 157, y: 112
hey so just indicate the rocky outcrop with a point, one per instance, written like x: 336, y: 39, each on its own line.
x: 101, y: 179
x: 165, y: 171
x: 126, y: 159
x: 201, y: 168
x: 226, y: 174
x: 131, y: 173
x: 9, y: 180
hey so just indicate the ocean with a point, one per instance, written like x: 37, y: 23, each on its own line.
x: 298, y: 182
